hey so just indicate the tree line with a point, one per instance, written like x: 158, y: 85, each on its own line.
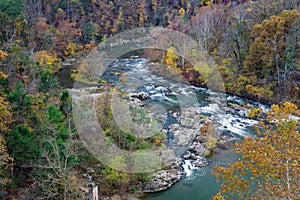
x: 254, y: 43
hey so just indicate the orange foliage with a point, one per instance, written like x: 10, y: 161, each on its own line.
x: 2, y: 55
x: 269, y: 164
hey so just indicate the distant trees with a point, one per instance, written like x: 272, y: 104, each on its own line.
x: 237, y: 38
x: 6, y: 166
x: 32, y: 12
x: 10, y: 10
x: 267, y: 55
x: 255, y: 46
x: 5, y: 107
x: 269, y: 164
x: 256, y: 51
x: 5, y: 115
x: 208, y: 26
x: 263, y: 9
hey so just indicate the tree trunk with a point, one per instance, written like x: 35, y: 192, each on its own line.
x: 93, y: 191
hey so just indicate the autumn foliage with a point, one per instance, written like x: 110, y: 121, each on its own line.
x: 269, y: 164
x: 255, y: 46
x: 6, y: 162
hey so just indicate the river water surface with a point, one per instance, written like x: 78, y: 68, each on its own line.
x: 197, y: 184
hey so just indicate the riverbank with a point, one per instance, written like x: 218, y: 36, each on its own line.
x: 160, y: 69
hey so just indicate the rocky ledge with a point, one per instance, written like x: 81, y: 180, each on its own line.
x: 163, y: 179
x: 200, y: 135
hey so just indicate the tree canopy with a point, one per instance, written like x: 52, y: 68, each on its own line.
x: 269, y: 164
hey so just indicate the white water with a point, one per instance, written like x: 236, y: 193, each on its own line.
x: 168, y: 94
x: 188, y: 168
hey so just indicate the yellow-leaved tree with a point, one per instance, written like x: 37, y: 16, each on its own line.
x: 6, y: 163
x: 2, y: 55
x: 5, y: 115
x: 48, y: 61
x: 171, y: 60
x: 269, y: 165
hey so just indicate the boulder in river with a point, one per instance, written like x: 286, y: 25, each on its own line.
x: 201, y: 162
x: 134, y: 102
x: 139, y: 95
x: 163, y: 179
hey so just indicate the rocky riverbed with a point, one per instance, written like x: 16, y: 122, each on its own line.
x: 194, y: 132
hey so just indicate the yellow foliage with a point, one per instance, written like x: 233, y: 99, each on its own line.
x: 47, y: 60
x: 171, y: 60
x: 181, y: 11
x: 249, y: 10
x: 3, y: 55
x: 255, y: 113
x: 218, y: 197
x: 2, y: 75
x: 70, y: 49
x: 211, y: 143
x: 208, y: 127
x: 6, y: 161
x: 5, y: 114
x: 269, y: 161
x: 208, y: 133
x: 157, y: 141
x: 73, y: 74
x: 171, y: 57
x: 205, y: 71
x: 271, y: 34
x: 261, y: 92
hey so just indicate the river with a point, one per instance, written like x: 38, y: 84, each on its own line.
x: 197, y: 184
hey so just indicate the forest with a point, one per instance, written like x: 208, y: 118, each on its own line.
x: 256, y: 48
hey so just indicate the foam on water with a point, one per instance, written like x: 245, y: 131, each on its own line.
x: 235, y: 124
x: 188, y: 168
x: 168, y: 91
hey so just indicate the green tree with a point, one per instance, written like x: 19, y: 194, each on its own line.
x: 269, y: 164
x: 21, y: 102
x: 10, y: 10
x: 89, y: 32
x: 48, y: 82
x: 22, y: 144
x: 58, y: 157
x: 115, y: 178
x: 13, y: 8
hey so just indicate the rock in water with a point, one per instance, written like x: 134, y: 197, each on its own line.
x: 164, y: 179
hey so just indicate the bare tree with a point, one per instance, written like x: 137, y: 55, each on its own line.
x: 56, y: 166
x: 208, y: 26
x: 32, y: 12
